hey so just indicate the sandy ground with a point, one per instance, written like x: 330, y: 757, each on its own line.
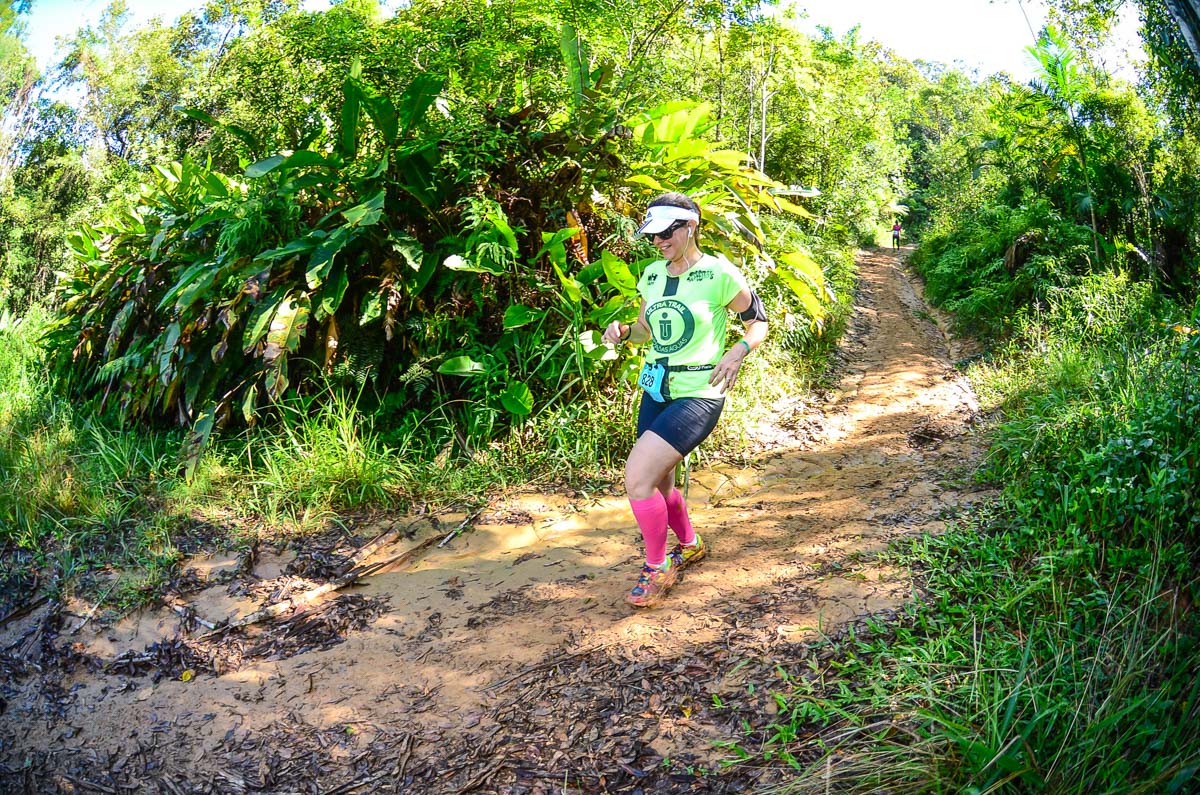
x: 506, y: 660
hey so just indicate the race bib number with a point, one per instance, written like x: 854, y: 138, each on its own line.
x: 651, y: 380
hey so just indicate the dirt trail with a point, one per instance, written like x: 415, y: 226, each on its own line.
x: 507, y: 661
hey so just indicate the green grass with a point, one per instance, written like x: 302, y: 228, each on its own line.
x: 1053, y: 647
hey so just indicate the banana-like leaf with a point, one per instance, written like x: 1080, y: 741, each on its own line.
x: 417, y: 99
x: 203, y: 272
x: 575, y: 56
x: 806, y: 280
x: 332, y: 337
x: 300, y: 245
x: 382, y: 113
x: 250, y: 404
x: 372, y: 309
x: 117, y: 330
x: 260, y: 317
x: 457, y: 262
x: 322, y: 259
x: 264, y: 167
x: 245, y: 136
x: 332, y: 293
x: 283, y: 338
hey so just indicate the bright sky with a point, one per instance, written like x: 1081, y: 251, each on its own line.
x: 987, y: 35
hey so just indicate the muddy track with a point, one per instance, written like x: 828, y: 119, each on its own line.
x: 505, y: 660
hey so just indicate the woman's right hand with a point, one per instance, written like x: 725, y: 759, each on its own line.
x: 616, y: 333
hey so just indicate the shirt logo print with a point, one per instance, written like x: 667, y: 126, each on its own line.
x: 674, y: 325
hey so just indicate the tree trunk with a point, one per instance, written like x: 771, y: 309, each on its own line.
x: 1187, y: 16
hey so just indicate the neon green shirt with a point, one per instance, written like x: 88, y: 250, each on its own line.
x: 687, y: 317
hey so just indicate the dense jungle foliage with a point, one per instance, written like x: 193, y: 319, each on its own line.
x: 269, y: 265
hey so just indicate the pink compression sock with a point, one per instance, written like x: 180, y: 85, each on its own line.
x: 651, y: 515
x: 678, y: 519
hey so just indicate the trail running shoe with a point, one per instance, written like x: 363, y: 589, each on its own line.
x: 652, y: 585
x: 682, y: 556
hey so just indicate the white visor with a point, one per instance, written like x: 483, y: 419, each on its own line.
x: 659, y: 217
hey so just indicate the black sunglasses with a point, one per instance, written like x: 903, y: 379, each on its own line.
x: 670, y: 230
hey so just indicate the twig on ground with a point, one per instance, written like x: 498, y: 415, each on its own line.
x: 471, y: 517
x: 95, y: 607
x: 188, y: 614
x: 380, y: 541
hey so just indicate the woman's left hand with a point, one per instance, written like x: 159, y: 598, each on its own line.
x: 726, y: 371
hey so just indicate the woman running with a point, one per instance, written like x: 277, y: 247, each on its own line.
x: 688, y: 370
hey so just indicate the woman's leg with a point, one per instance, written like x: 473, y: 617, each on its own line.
x: 651, y: 461
x: 677, y: 513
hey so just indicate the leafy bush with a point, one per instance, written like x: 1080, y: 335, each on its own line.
x: 383, y: 260
x: 1000, y: 260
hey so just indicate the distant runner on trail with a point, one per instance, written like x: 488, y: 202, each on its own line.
x: 896, y: 234
x: 684, y: 299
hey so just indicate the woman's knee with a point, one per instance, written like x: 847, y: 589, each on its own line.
x: 648, y: 465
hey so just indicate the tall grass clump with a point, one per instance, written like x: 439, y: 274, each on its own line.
x: 1054, y: 648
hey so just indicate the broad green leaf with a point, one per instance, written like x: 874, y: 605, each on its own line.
x: 456, y: 262
x: 519, y: 315
x: 728, y: 158
x: 416, y: 99
x: 517, y: 399
x: 333, y: 293
x: 806, y: 265
x: 300, y: 245
x: 502, y: 226
x: 575, y: 57
x: 647, y: 181
x: 368, y: 212
x: 283, y: 338
x: 306, y: 157
x: 552, y: 245
x: 460, y: 365
x: 351, y: 108
x: 322, y: 258
x: 238, y: 132
x: 409, y: 248
x: 802, y: 287
x: 117, y: 330
x: 260, y: 317
x: 203, y: 270
x: 216, y: 186
x: 372, y: 309
x: 196, y: 289
x: 618, y: 273
x: 264, y: 167
x: 383, y: 115
x: 570, y: 286
x: 207, y: 218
